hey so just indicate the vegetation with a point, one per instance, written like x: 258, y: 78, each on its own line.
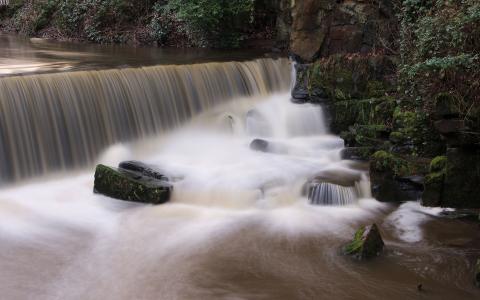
x: 440, y: 44
x: 383, y: 161
x: 200, y: 23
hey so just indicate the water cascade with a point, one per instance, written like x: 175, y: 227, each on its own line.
x: 263, y: 222
x: 52, y: 122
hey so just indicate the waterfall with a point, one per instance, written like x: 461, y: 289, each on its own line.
x: 325, y: 193
x: 61, y: 121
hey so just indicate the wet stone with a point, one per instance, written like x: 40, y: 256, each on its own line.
x: 131, y: 185
x: 259, y: 145
x: 367, y: 243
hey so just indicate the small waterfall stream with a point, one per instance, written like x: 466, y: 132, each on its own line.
x: 62, y: 121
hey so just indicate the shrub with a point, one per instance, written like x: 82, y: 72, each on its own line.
x: 217, y: 23
x: 387, y: 162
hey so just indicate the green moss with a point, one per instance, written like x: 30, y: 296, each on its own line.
x: 367, y: 243
x: 438, y: 164
x: 356, y: 244
x: 383, y: 161
x: 128, y: 186
x: 397, y: 137
x: 434, y: 178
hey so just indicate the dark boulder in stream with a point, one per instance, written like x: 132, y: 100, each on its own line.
x: 367, y: 243
x: 132, y: 182
x: 142, y: 168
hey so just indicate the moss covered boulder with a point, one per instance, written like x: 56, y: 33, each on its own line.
x: 131, y: 185
x: 367, y: 243
x: 391, y: 178
x: 432, y: 196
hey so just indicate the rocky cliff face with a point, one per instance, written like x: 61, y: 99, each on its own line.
x: 324, y: 27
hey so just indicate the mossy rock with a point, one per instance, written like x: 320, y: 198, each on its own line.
x: 433, y: 190
x: 130, y: 186
x: 367, y: 243
x: 384, y: 161
x: 438, y: 164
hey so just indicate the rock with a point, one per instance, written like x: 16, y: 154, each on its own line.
x: 324, y: 27
x: 395, y: 190
x: 463, y: 139
x: 357, y: 153
x: 432, y: 195
x: 445, y: 107
x: 438, y: 164
x: 326, y: 193
x: 450, y: 126
x: 259, y: 145
x: 454, y: 181
x: 333, y: 187
x: 462, y: 178
x: 477, y: 273
x: 309, y: 28
x: 367, y: 243
x: 267, y: 146
x: 300, y: 92
x: 142, y: 169
x: 343, y: 177
x: 132, y: 185
x: 389, y: 180
x: 433, y: 190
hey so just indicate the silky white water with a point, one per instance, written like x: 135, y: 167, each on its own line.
x: 239, y: 224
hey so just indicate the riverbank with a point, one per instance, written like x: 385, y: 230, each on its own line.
x: 177, y: 23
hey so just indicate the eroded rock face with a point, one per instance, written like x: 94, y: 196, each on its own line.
x: 367, y: 243
x: 135, y: 186
x: 462, y: 178
x: 310, y: 23
x: 326, y: 27
x: 455, y: 182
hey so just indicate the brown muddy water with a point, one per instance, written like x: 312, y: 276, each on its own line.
x: 238, y: 225
x: 22, y: 55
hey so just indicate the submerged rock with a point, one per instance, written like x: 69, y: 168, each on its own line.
x: 132, y: 185
x: 367, y: 243
x: 259, y: 145
x: 267, y: 146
